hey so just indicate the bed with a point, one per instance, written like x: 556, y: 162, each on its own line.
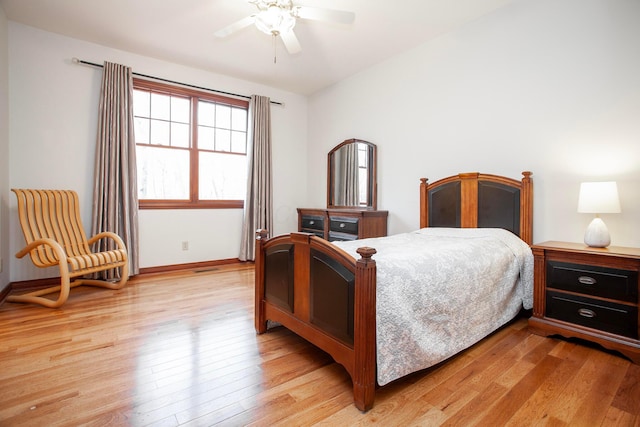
x: 385, y: 307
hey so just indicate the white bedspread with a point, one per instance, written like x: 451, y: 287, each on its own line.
x: 441, y: 290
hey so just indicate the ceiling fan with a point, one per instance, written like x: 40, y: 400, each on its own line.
x: 278, y: 17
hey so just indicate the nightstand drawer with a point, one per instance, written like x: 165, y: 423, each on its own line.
x: 602, y: 315
x: 312, y: 222
x: 344, y: 225
x: 592, y: 280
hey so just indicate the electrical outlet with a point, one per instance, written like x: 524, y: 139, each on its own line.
x: 185, y: 246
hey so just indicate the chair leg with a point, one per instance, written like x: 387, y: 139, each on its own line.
x: 65, y: 286
x: 36, y: 298
x: 124, y: 278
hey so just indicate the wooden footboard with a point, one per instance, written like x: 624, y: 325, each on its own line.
x: 324, y: 295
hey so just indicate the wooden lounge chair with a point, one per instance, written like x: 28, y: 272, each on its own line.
x: 53, y: 231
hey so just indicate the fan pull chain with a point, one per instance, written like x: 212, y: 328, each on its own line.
x: 274, y: 47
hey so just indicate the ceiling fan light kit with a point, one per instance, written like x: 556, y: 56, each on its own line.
x: 278, y: 18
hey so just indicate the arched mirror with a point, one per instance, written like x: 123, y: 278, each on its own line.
x: 351, y: 176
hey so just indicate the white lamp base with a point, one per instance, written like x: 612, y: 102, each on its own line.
x: 597, y: 234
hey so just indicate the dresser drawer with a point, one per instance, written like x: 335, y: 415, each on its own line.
x: 336, y: 237
x: 602, y: 315
x: 313, y: 222
x: 318, y: 233
x: 344, y: 225
x: 591, y: 280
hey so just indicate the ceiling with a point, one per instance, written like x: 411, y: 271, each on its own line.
x: 182, y: 31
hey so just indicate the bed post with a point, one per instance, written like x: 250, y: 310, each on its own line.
x: 259, y: 318
x: 424, y: 202
x: 364, y: 378
x: 469, y: 193
x: 526, y: 208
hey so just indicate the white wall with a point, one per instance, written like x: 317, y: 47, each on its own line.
x: 543, y: 85
x: 53, y: 115
x: 4, y: 151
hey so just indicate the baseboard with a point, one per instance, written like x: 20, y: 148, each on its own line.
x: 5, y: 292
x: 204, y: 265
x: 32, y: 285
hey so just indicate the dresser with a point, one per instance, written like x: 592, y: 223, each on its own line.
x: 343, y: 224
x: 588, y: 293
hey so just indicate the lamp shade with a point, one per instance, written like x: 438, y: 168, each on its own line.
x: 598, y: 198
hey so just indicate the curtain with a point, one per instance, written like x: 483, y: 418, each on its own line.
x: 351, y: 170
x: 258, y: 204
x: 115, y: 191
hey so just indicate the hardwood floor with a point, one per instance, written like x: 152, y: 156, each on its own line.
x: 180, y: 350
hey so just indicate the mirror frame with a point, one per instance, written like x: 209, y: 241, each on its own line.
x: 373, y: 170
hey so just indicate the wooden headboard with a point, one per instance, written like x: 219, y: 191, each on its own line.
x: 476, y: 200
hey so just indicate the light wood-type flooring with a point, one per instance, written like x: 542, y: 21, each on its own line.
x: 180, y: 350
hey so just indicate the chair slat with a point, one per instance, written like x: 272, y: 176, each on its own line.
x: 48, y: 228
x: 79, y: 238
x: 41, y: 205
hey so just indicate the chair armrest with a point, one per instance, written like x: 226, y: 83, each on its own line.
x: 110, y: 235
x: 57, y: 248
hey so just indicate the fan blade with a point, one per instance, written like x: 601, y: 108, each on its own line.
x: 236, y: 26
x: 291, y: 42
x: 327, y: 15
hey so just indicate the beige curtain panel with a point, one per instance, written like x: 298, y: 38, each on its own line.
x: 115, y: 192
x: 351, y: 175
x: 258, y: 204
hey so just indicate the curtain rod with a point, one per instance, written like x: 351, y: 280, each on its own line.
x: 93, y: 64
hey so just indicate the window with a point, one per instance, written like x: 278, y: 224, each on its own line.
x: 191, y: 147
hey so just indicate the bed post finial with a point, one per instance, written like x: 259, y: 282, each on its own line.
x: 261, y: 234
x: 366, y: 253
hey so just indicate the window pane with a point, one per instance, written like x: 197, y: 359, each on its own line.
x: 223, y: 140
x: 206, y: 137
x: 163, y: 174
x: 141, y: 103
x: 180, y: 135
x: 223, y: 116
x: 160, y: 106
x: 222, y: 176
x: 239, y: 119
x: 239, y: 142
x: 206, y: 113
x: 362, y: 155
x: 159, y: 132
x: 180, y: 110
x: 141, y: 130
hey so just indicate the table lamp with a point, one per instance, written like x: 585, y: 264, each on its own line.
x: 598, y: 198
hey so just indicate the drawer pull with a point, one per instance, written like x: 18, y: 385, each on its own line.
x: 342, y: 225
x: 311, y: 222
x: 585, y: 312
x: 586, y: 280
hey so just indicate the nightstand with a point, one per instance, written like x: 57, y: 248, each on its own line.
x: 588, y: 293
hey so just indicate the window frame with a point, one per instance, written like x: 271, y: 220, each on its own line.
x: 194, y: 96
